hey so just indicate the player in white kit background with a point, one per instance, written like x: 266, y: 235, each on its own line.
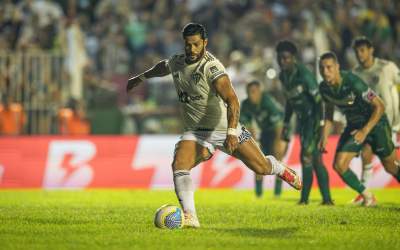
x: 210, y: 114
x: 382, y: 76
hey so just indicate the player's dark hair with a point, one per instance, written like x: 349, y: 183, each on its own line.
x: 192, y: 29
x: 286, y: 45
x: 361, y: 41
x: 328, y: 55
x: 253, y: 83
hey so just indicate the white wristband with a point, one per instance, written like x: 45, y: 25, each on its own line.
x: 142, y: 77
x: 231, y: 131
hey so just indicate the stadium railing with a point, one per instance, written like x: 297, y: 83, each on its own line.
x: 37, y: 80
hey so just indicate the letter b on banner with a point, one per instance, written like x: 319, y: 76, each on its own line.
x: 68, y: 164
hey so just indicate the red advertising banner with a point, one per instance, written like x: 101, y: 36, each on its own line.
x: 134, y: 162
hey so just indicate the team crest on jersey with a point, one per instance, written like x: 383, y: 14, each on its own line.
x: 196, y: 77
x: 375, y: 79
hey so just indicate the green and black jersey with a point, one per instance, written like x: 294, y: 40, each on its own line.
x: 302, y: 94
x: 268, y: 114
x: 352, y: 97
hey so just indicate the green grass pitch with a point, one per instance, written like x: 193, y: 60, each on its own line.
x: 123, y: 219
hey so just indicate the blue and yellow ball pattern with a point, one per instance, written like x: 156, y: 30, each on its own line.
x: 169, y: 216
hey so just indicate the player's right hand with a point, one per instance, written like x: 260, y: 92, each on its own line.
x: 231, y: 143
x: 132, y: 83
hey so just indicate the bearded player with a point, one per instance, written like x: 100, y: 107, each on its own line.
x: 381, y: 76
x: 210, y: 113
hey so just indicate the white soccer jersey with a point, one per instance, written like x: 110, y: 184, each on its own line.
x: 201, y: 107
x: 382, y: 77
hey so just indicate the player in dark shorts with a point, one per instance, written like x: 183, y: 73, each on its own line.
x: 261, y: 108
x: 303, y: 98
x: 367, y: 123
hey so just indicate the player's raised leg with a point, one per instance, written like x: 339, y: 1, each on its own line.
x: 187, y: 155
x: 250, y: 154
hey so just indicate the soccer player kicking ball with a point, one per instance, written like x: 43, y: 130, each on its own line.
x: 267, y: 113
x: 303, y: 98
x: 382, y: 76
x: 210, y: 115
x: 366, y: 123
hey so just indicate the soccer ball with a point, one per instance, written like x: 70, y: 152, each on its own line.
x: 169, y: 216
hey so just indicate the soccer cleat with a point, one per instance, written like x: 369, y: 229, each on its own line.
x: 191, y: 221
x: 369, y: 201
x: 359, y: 200
x: 291, y: 177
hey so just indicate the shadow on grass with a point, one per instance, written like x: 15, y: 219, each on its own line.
x: 283, y: 232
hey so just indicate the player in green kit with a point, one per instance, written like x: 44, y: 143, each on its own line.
x: 367, y: 123
x: 267, y: 113
x: 303, y: 98
x: 382, y: 76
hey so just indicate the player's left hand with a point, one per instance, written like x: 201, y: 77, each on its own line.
x: 359, y: 136
x: 231, y: 143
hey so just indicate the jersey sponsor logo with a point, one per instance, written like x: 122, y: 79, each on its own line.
x: 184, y: 97
x: 348, y: 100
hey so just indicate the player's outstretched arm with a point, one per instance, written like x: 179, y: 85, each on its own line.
x: 158, y: 70
x: 225, y: 90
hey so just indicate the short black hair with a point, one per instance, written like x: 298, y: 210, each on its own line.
x: 328, y: 55
x: 286, y: 45
x: 253, y: 83
x: 191, y: 29
x: 361, y: 41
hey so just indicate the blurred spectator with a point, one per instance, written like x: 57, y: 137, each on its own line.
x: 72, y: 120
x: 76, y: 58
x: 119, y: 38
x: 12, y: 117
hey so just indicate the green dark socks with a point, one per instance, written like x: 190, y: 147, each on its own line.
x: 323, y: 182
x: 307, y: 182
x: 259, y: 185
x: 352, y: 181
x: 278, y: 186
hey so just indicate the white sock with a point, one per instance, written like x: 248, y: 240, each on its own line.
x: 366, y: 173
x: 277, y: 167
x: 184, y: 190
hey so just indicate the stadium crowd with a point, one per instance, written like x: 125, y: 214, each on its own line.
x: 104, y: 42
